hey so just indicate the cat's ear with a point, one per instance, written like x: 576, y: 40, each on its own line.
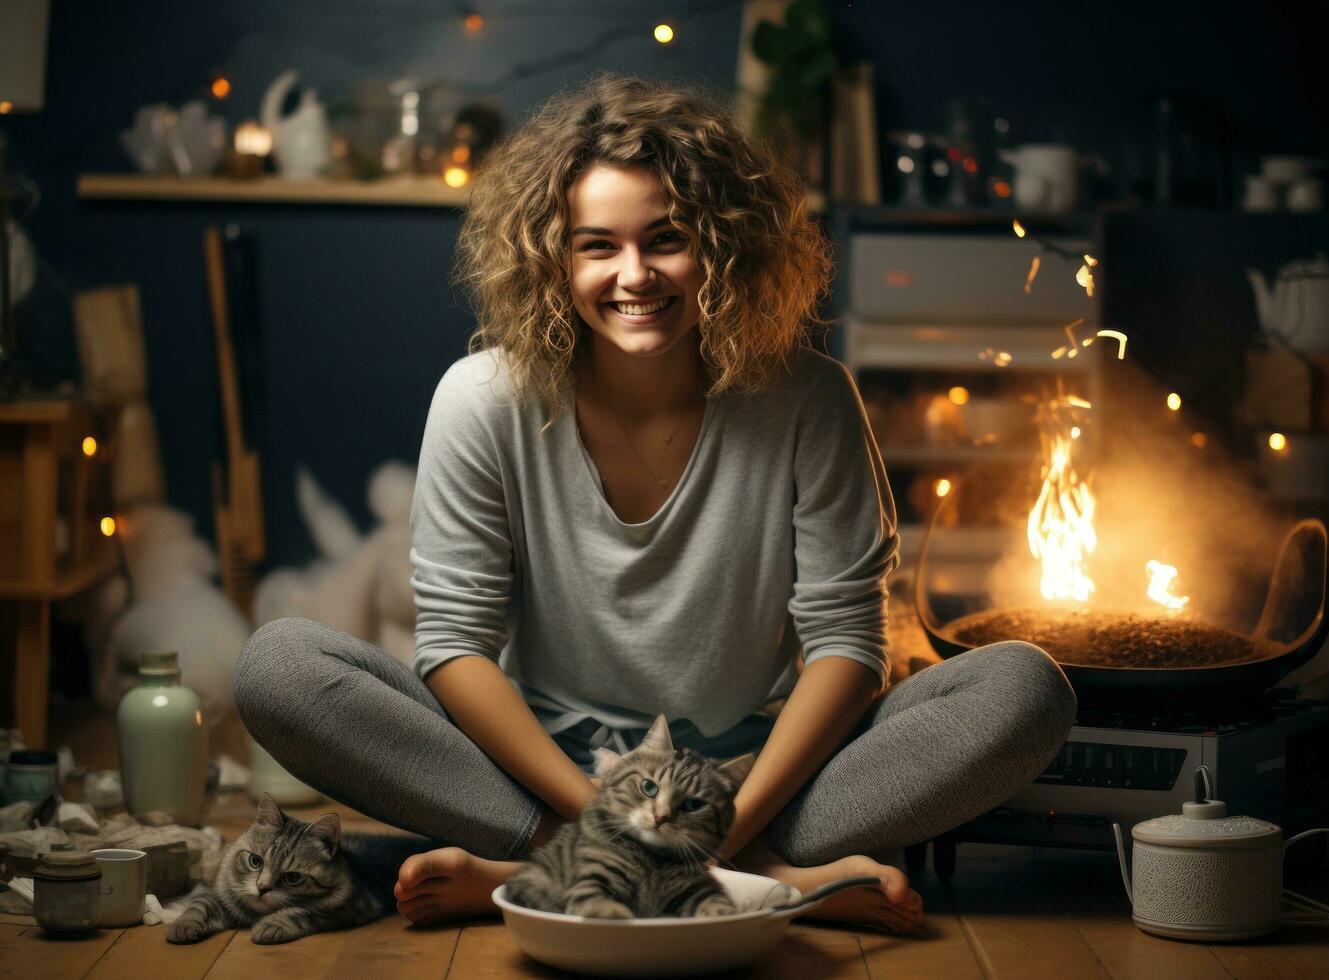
x: 658, y: 736
x: 269, y: 813
x: 327, y: 830
x: 605, y: 759
x: 738, y: 769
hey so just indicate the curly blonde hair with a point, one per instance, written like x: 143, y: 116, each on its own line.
x: 767, y: 264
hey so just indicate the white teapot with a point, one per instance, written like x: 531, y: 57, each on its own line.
x: 1203, y: 875
x: 1295, y: 307
x: 301, y: 141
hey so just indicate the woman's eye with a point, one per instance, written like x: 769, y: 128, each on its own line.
x: 692, y: 804
x: 600, y: 243
x: 292, y: 878
x: 649, y: 788
x: 255, y: 861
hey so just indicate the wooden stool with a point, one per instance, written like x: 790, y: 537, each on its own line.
x: 46, y: 479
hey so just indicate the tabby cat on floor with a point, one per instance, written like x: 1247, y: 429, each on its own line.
x: 287, y: 878
x: 641, y: 845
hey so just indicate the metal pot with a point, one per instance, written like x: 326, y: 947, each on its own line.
x: 1293, y: 616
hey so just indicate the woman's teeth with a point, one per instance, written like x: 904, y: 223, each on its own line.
x: 639, y: 309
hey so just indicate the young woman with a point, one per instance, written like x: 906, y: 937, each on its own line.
x: 643, y: 491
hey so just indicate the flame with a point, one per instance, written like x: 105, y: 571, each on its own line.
x: 1160, y: 585
x: 1033, y: 273
x: 1061, y: 527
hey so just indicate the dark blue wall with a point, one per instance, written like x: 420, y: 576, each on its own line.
x: 358, y: 318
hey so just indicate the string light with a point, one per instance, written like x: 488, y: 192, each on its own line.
x: 89, y: 446
x: 958, y: 395
x: 664, y: 33
x: 1075, y: 432
x: 1174, y: 402
x: 456, y: 176
x: 107, y: 526
x: 1277, y: 441
x: 943, y: 487
x: 221, y: 87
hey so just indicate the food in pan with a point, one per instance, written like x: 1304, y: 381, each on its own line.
x: 1098, y: 638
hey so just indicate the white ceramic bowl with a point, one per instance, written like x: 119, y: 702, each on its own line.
x: 655, y: 947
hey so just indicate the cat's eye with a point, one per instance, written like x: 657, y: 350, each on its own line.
x: 692, y: 804
x: 292, y: 878
x: 254, y: 861
x: 649, y: 788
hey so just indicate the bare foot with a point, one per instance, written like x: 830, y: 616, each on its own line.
x: 895, y: 906
x: 449, y: 883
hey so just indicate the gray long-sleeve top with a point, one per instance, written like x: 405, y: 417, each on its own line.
x: 779, y: 534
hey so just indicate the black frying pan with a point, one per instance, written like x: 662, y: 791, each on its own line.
x: 1296, y: 596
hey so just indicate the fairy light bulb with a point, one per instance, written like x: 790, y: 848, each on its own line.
x: 663, y: 33
x: 943, y: 487
x: 958, y: 395
x: 1174, y: 402
x: 1277, y: 441
x: 89, y: 446
x: 107, y: 526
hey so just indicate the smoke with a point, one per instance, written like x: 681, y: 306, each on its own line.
x: 1159, y: 497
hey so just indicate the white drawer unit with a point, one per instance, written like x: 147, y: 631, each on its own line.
x: 959, y: 279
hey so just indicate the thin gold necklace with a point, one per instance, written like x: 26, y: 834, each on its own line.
x: 668, y: 439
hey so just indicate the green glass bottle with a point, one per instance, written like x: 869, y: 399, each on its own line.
x: 163, y: 743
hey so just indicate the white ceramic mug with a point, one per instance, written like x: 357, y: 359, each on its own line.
x: 124, y: 886
x: 1261, y: 194
x: 1305, y: 194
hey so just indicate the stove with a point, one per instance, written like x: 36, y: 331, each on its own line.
x: 1269, y: 759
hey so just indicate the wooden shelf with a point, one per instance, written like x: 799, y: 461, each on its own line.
x: 401, y: 191
x: 71, y: 581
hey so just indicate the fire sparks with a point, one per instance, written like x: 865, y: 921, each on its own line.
x: 1018, y: 228
x: 1061, y: 527
x: 1086, y: 279
x: 1034, y: 263
x: 1160, y: 585
x: 1119, y: 337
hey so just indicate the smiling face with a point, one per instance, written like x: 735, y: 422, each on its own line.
x: 626, y: 259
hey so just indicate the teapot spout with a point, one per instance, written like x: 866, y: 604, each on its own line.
x: 1264, y: 296
x: 1121, y: 860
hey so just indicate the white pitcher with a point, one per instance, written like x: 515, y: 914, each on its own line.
x: 301, y: 141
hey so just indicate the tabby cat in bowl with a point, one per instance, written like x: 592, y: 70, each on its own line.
x: 639, y: 849
x: 286, y: 878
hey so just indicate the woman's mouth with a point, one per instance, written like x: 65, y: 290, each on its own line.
x: 642, y: 312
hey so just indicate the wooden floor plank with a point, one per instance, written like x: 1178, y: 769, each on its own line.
x: 1128, y: 953
x: 312, y: 956
x: 1017, y: 915
x: 939, y: 948
x: 142, y: 951
x: 484, y: 951
x: 393, y: 949
x: 812, y: 950
x: 32, y: 955
x: 1293, y: 951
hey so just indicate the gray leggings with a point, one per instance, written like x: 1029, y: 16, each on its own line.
x: 934, y: 752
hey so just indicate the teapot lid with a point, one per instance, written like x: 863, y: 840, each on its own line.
x: 67, y: 866
x: 1205, y: 823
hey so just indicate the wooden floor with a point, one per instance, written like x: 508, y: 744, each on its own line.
x: 1010, y: 912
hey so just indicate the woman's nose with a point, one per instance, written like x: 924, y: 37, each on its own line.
x: 634, y: 273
